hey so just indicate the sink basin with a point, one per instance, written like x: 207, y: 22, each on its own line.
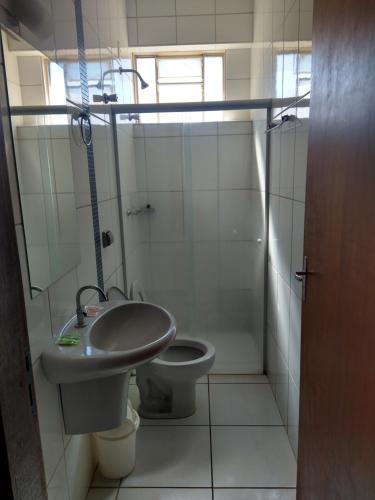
x: 136, y: 325
x: 122, y: 336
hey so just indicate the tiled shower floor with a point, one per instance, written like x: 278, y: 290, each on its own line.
x: 233, y: 448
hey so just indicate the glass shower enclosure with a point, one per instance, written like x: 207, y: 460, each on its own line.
x: 194, y: 218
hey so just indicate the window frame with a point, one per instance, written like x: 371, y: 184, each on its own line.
x: 178, y: 55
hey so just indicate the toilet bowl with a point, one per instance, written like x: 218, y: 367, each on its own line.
x: 167, y: 384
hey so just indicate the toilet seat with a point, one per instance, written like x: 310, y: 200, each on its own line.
x: 186, y: 369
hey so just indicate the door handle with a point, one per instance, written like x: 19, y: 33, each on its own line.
x: 301, y: 276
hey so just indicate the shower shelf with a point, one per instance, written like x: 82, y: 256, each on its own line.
x: 148, y: 209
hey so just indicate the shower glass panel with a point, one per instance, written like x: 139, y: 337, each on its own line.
x: 194, y: 214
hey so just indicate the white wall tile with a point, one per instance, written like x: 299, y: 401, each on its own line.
x: 297, y: 245
x: 283, y: 317
x: 79, y: 465
x: 132, y: 25
x: 206, y: 265
x: 287, y: 163
x: 300, y: 168
x: 38, y: 323
x: 305, y: 26
x: 157, y: 31
x: 275, y: 162
x: 235, y: 161
x: 34, y: 209
x: 62, y: 166
x: 204, y: 213
x: 62, y: 300
x: 238, y: 89
x: 168, y: 266
x: 234, y: 6
x: 140, y: 164
x: 28, y: 165
x: 307, y: 5
x: 164, y: 169
x: 200, y: 129
x: 234, y: 28
x: 234, y: 209
x: 291, y: 26
x: 195, y: 29
x: 295, y: 337
x: 33, y: 95
x: 49, y: 420
x: 238, y: 62
x: 293, y: 415
x: 166, y: 223
x: 106, y: 224
x: 58, y: 486
x: 101, y: 163
x: 30, y: 70
x: 87, y: 268
x: 239, y: 263
x: 284, y: 237
x: 195, y: 7
x: 273, y: 227
x: 235, y: 127
x: 200, y: 163
x: 149, y: 8
x: 116, y: 230
x: 272, y: 301
x: 131, y: 8
x: 80, y: 170
x: 103, y: 494
x: 160, y: 130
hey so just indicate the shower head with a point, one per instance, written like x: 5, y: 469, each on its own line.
x: 144, y: 84
x: 120, y: 70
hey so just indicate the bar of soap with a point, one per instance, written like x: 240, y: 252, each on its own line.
x: 69, y: 339
x: 93, y: 311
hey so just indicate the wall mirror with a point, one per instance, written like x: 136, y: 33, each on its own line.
x: 44, y: 164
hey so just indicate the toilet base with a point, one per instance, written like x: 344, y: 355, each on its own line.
x: 162, y: 398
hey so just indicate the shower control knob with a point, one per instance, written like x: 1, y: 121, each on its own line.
x: 259, y: 241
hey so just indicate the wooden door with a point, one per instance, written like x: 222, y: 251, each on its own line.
x: 337, y: 415
x: 21, y: 462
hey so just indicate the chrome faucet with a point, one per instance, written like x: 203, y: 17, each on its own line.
x: 80, y: 314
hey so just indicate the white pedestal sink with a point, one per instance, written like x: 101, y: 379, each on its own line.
x: 94, y: 375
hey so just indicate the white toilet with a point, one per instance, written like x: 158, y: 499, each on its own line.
x: 167, y: 384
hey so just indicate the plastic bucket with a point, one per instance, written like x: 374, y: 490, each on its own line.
x: 116, y: 448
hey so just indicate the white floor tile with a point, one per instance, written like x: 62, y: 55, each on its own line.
x: 243, y: 404
x: 238, y: 379
x: 172, y: 457
x: 164, y: 494
x: 102, y: 482
x: 255, y: 494
x: 102, y: 494
x: 236, y: 351
x: 252, y: 457
x: 200, y: 417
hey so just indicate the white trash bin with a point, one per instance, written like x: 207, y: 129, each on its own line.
x: 116, y: 448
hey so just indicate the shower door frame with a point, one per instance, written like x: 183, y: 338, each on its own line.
x: 244, y: 105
